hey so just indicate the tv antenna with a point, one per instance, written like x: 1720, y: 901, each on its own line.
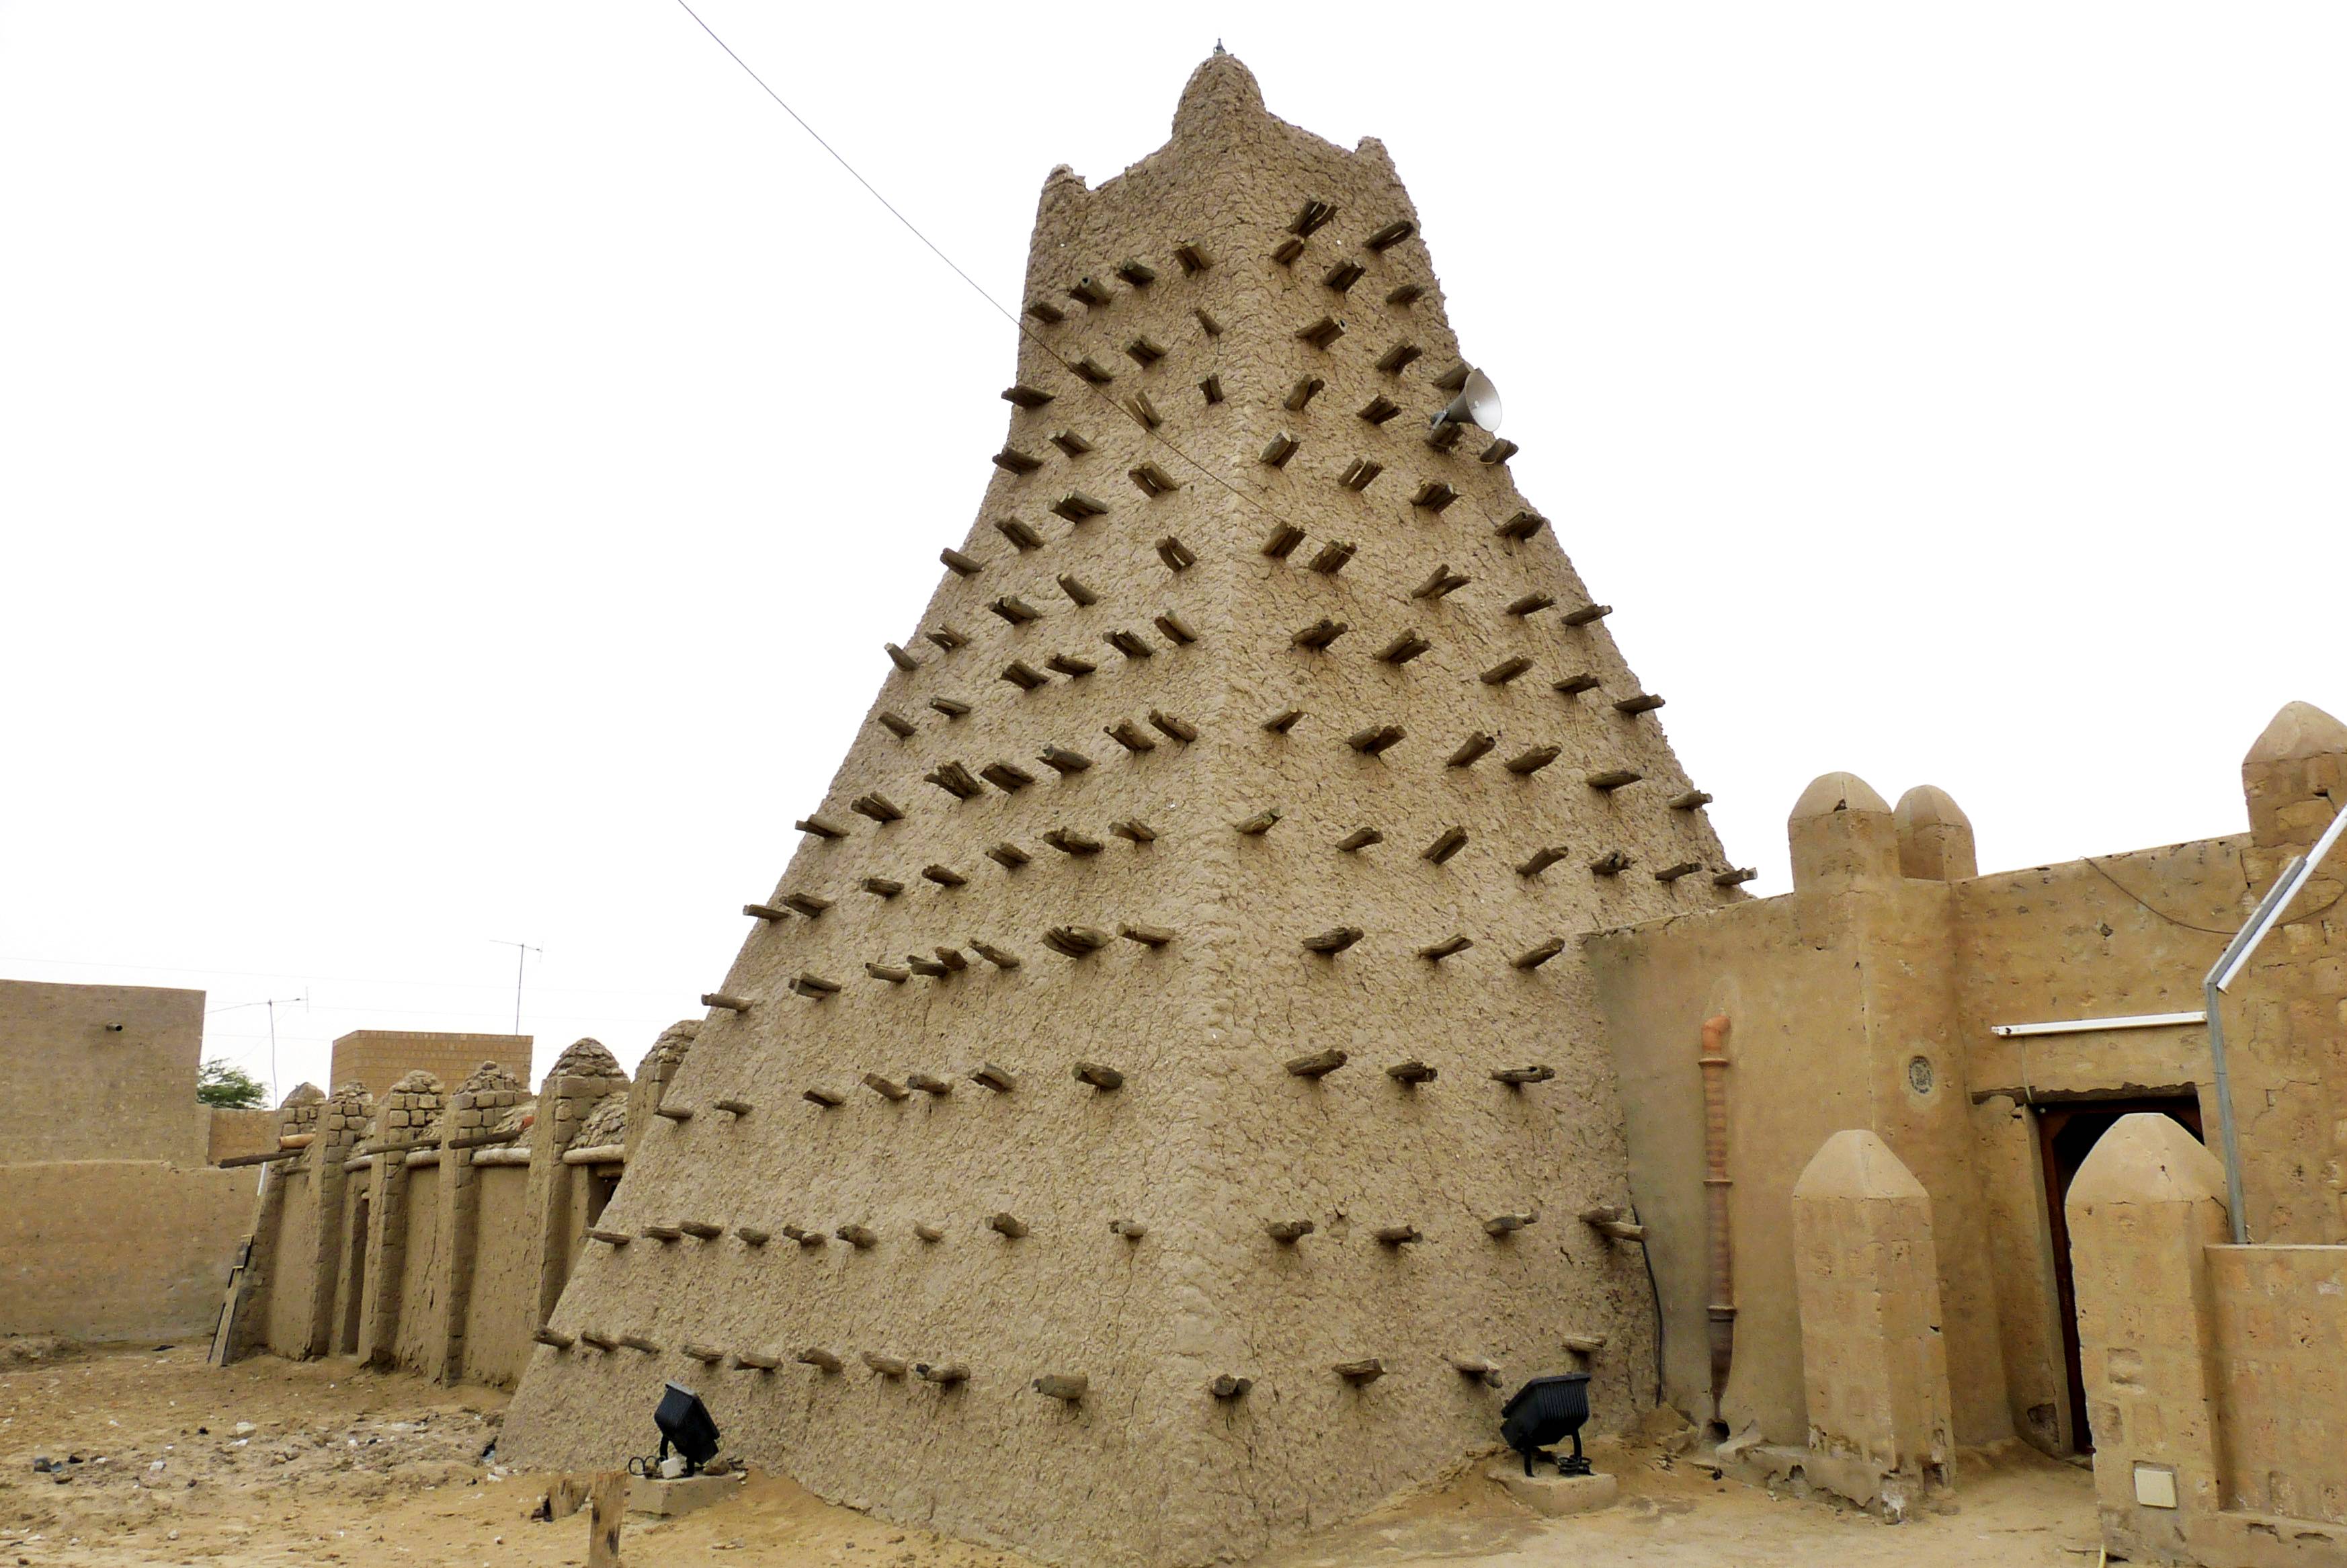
x: 273, y: 1004
x: 522, y: 950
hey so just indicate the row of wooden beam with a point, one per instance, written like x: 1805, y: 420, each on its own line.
x: 1011, y: 1227
x: 1191, y: 257
x: 1068, y: 1387
x: 1153, y: 481
x: 1357, y: 475
x: 1077, y: 845
x: 1079, y: 942
x: 1284, y: 537
x: 1319, y: 637
x: 1331, y: 558
x: 1099, y: 1075
x: 1081, y: 508
x: 1442, y: 438
x: 1439, y: 850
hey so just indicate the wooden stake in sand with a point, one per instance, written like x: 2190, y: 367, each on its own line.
x: 606, y: 1503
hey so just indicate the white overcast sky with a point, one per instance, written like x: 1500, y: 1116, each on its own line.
x: 459, y: 462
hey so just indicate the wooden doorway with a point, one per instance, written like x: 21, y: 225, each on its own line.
x: 2067, y: 1133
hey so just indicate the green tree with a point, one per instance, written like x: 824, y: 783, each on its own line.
x: 223, y: 1083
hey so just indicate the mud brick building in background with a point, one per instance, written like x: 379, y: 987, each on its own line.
x: 375, y: 1059
x: 117, y: 1225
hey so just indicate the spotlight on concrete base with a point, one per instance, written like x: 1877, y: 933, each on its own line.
x: 1544, y: 1411
x: 684, y: 1422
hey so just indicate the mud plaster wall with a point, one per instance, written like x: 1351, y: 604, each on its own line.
x: 2281, y: 1322
x: 2080, y: 940
x: 349, y: 1261
x: 416, y: 1344
x: 294, y: 1245
x: 502, y: 1309
x: 582, y: 1179
x: 1822, y: 1035
x: 104, y: 1250
x: 1208, y: 1138
x: 1928, y: 972
x: 72, y: 1089
x: 379, y: 1058
x: 230, y: 1133
x: 2216, y: 1364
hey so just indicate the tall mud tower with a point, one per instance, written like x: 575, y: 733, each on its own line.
x: 1175, y: 1003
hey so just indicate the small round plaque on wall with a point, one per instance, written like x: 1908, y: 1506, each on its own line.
x: 1919, y: 1075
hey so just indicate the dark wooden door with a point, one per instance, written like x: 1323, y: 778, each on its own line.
x: 2066, y: 1134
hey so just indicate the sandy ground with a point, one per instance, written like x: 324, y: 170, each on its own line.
x: 272, y: 1463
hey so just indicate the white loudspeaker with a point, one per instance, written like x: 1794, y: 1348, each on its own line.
x: 1478, y: 404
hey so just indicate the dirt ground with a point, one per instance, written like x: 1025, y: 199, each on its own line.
x: 165, y: 1461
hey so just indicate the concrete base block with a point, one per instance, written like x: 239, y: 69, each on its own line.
x: 1554, y: 1495
x: 667, y: 1499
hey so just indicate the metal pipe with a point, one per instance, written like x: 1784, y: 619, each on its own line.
x: 1716, y: 1185
x: 2088, y: 1025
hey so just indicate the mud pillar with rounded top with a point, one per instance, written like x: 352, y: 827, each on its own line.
x: 2295, y: 777
x: 1842, y: 835
x: 2144, y: 1210
x: 480, y: 1103
x: 2283, y: 1015
x: 265, y: 1262
x: 341, y: 1132
x: 652, y: 1074
x: 1874, y: 1362
x: 580, y: 1078
x: 408, y: 1113
x: 1935, y: 837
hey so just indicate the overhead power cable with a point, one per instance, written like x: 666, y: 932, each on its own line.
x: 1011, y: 316
x: 305, y: 976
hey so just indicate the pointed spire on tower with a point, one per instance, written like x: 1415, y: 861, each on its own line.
x: 1220, y: 91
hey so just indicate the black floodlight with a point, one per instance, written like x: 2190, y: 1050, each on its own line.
x: 1544, y: 1411
x: 684, y: 1422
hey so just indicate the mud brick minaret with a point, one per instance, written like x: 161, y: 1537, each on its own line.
x: 1154, y: 1110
